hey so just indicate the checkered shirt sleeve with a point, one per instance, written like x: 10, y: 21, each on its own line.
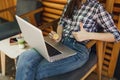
x: 106, y: 21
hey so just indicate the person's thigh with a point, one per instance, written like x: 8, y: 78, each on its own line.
x: 47, y: 69
x: 29, y: 56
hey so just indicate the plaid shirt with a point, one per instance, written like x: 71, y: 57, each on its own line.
x: 90, y: 14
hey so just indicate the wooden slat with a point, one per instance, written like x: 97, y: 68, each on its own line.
x: 53, y: 5
x: 106, y: 62
x: 109, y: 5
x: 47, y: 19
x: 7, y: 9
x: 110, y: 45
x: 108, y: 51
x: 105, y: 73
x: 6, y: 4
x: 107, y: 57
x: 117, y: 1
x: 116, y: 17
x: 51, y: 15
x: 58, y: 1
x: 54, y: 11
x: 116, y: 9
x: 105, y: 68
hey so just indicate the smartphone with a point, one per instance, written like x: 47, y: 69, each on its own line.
x: 13, y: 41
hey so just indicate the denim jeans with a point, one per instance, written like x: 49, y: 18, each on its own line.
x: 32, y: 66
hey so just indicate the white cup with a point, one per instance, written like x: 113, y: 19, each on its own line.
x: 21, y: 42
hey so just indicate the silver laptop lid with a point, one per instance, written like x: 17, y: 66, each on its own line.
x: 33, y: 36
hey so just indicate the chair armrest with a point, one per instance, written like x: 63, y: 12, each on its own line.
x: 54, y: 24
x: 90, y: 44
x: 99, y: 47
x: 30, y: 15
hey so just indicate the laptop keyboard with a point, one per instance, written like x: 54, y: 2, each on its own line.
x: 52, y: 51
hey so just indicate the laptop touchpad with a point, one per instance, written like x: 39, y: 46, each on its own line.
x: 52, y: 51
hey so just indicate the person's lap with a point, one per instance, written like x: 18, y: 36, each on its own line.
x: 33, y: 66
x: 46, y: 69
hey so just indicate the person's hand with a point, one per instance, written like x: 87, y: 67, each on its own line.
x: 53, y: 35
x: 81, y: 35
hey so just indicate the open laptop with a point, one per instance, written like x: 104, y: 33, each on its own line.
x: 49, y: 49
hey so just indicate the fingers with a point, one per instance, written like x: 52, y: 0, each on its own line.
x: 81, y: 26
x: 53, y: 35
x: 53, y: 32
x: 74, y: 33
x: 50, y: 35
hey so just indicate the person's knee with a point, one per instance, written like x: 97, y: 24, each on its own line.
x: 28, y: 54
x: 25, y: 64
x: 22, y: 61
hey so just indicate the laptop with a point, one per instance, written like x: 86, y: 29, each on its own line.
x: 49, y: 49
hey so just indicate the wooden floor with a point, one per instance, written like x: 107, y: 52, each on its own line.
x: 10, y: 72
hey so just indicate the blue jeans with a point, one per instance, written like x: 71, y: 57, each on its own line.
x: 32, y: 66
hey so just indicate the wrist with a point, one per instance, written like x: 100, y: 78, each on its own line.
x: 91, y: 35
